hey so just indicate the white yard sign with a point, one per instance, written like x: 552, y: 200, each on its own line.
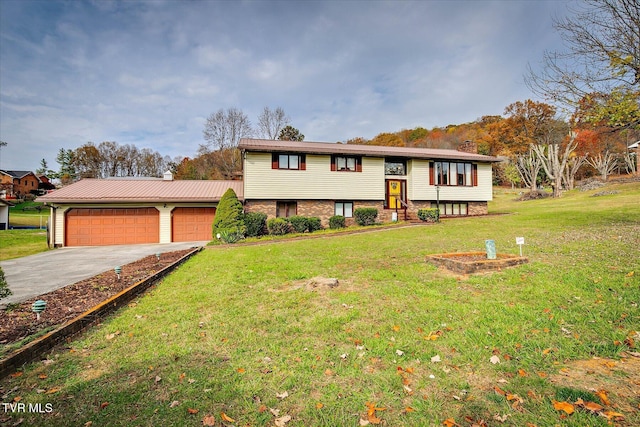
x: 520, y: 242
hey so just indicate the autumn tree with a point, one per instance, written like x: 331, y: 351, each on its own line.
x: 601, y: 66
x: 554, y: 157
x: 222, y: 133
x: 527, y: 123
x: 271, y: 122
x: 289, y: 133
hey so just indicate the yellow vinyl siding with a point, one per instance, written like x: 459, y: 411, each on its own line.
x: 315, y: 183
x: 419, y: 188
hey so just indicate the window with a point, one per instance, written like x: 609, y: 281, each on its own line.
x: 453, y: 209
x: 344, y: 208
x: 346, y: 163
x: 453, y: 173
x: 286, y: 209
x: 395, y: 167
x: 288, y: 161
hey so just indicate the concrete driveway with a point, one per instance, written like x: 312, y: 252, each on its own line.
x: 35, y: 275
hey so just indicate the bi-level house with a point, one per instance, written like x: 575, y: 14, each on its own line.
x: 286, y: 178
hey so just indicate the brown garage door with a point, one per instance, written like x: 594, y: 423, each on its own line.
x: 191, y: 224
x: 101, y: 227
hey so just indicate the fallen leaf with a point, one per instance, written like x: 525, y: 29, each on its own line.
x: 363, y: 422
x: 612, y: 414
x: 409, y: 409
x: 563, y: 406
x: 262, y: 408
x: 319, y: 405
x: 274, y: 412
x: 16, y: 374
x: 328, y: 372
x: 501, y: 418
x: 630, y: 274
x: 547, y: 350
x: 396, y: 328
x: 104, y: 405
x: 280, y: 422
x: 192, y: 411
x: 241, y: 370
x: 282, y: 395
x: 208, y: 420
x: 399, y: 352
x: 498, y: 390
x: 522, y: 373
x: 226, y: 418
x: 435, y: 359
x: 450, y: 422
x: 494, y: 359
x: 158, y: 379
x: 182, y: 375
x: 53, y: 390
x: 602, y: 394
x: 590, y: 406
x: 42, y: 376
x: 174, y: 404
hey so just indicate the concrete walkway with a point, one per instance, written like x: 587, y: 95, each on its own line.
x: 38, y: 274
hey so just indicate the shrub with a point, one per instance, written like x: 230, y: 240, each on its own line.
x: 229, y: 216
x: 278, y: 226
x: 365, y: 216
x: 428, y: 215
x: 336, y: 221
x: 300, y: 224
x: 255, y: 224
x: 315, y: 224
x: 4, y: 288
x: 230, y: 236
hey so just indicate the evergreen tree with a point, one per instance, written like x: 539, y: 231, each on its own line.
x: 229, y: 217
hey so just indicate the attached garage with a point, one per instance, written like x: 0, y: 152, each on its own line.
x: 104, y: 226
x: 191, y: 224
x: 97, y: 212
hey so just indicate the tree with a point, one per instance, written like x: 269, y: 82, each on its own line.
x: 66, y: 160
x: 526, y: 123
x: 271, y: 122
x: 88, y: 161
x: 603, y: 163
x: 44, y: 169
x: 4, y: 288
x: 289, y: 133
x: 529, y: 166
x: 228, y: 221
x: 554, y: 161
x: 224, y: 129
x: 601, y: 66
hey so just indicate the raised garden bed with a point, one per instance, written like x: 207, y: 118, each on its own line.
x: 475, y: 262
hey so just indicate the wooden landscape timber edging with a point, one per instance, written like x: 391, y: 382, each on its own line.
x: 64, y: 333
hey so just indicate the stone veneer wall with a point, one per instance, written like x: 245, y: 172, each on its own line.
x: 324, y: 209
x: 478, y: 208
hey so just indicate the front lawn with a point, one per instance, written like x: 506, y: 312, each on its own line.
x: 19, y: 243
x: 234, y: 334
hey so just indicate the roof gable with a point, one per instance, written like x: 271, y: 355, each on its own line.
x: 263, y: 145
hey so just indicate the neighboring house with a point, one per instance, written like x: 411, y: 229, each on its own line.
x: 286, y: 178
x: 4, y: 214
x: 96, y: 212
x: 45, y: 184
x: 17, y: 184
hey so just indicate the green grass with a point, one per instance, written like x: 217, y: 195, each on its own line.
x: 230, y: 330
x: 19, y: 243
x: 33, y: 218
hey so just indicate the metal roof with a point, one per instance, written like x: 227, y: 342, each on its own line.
x: 141, y: 190
x: 263, y: 145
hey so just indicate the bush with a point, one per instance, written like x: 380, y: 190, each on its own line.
x: 230, y: 236
x: 315, y: 224
x: 336, y: 221
x: 300, y: 224
x: 428, y: 215
x: 365, y: 216
x: 255, y: 224
x: 278, y: 226
x: 4, y: 288
x: 229, y: 215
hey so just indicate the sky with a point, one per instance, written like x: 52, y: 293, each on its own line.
x: 149, y: 73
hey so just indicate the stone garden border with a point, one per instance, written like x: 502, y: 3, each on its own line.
x: 461, y: 266
x: 68, y: 330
